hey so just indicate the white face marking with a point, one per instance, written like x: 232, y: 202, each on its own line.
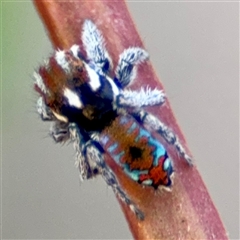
x: 75, y: 49
x: 60, y: 117
x: 114, y: 86
x: 93, y: 77
x: 72, y: 98
x: 61, y: 60
x: 39, y: 82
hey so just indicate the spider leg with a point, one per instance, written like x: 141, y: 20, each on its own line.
x: 126, y: 68
x: 59, y: 131
x: 86, y: 169
x: 154, y: 124
x: 94, y: 44
x: 137, y: 99
x: 62, y: 132
x: 44, y: 111
x: 96, y: 155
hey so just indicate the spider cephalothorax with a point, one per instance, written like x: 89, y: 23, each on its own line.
x: 94, y: 110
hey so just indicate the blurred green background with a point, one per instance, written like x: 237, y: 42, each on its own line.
x: 194, y: 48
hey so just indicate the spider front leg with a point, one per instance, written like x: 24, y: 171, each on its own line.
x: 154, y: 124
x: 95, y: 154
x: 94, y: 44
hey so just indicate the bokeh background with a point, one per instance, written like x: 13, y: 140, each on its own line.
x: 194, y: 47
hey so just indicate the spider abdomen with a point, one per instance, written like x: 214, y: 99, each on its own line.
x: 142, y: 157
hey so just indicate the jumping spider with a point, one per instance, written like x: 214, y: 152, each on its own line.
x: 100, y: 115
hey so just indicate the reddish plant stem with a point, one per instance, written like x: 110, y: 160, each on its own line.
x: 188, y: 211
